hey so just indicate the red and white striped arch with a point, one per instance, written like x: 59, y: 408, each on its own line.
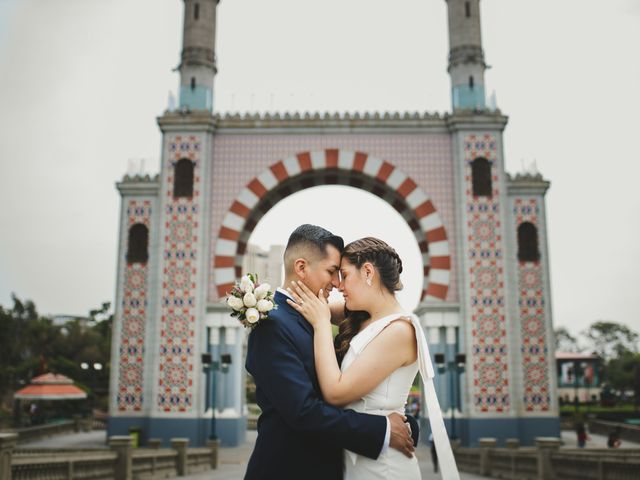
x: 333, y: 166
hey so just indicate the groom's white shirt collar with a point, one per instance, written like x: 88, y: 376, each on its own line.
x: 284, y: 292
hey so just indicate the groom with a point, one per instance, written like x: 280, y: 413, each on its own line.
x: 299, y: 435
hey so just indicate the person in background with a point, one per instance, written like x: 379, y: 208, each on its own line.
x: 581, y: 432
x: 614, y: 438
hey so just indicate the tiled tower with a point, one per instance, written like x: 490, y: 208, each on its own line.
x: 530, y: 296
x: 508, y: 388
x: 198, y: 60
x: 169, y: 394
x: 466, y: 57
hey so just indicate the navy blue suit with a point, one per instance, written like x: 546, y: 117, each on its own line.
x: 299, y: 435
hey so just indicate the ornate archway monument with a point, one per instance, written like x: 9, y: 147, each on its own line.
x: 329, y: 167
x: 183, y: 234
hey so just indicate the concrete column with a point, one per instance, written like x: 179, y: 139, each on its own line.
x: 216, y: 351
x: 214, y: 445
x: 7, y: 445
x: 486, y: 444
x: 214, y: 336
x: 546, y: 447
x: 450, y: 350
x: 435, y: 346
x: 230, y: 380
x: 123, y: 446
x: 180, y: 445
x: 434, y: 336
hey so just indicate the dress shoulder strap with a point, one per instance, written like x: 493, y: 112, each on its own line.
x: 371, y: 331
x: 424, y: 357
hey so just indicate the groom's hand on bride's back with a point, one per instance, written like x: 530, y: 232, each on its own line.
x: 414, y: 428
x: 400, y: 436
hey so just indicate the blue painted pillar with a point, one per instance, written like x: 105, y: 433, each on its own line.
x: 450, y: 350
x: 232, y: 380
x: 436, y: 345
x: 231, y: 420
x: 214, y: 350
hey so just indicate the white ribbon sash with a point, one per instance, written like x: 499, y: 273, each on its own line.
x: 446, y: 461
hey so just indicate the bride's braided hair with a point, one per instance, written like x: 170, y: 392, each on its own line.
x: 389, y: 266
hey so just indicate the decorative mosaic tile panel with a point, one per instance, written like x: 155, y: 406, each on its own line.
x: 425, y: 158
x: 533, y: 325
x: 179, y: 273
x: 345, y: 167
x: 486, y: 288
x: 129, y: 396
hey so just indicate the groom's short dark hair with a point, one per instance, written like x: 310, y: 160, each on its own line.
x: 316, y: 237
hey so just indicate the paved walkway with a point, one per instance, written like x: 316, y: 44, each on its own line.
x: 595, y: 441
x: 232, y: 463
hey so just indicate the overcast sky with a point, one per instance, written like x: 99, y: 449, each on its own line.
x: 81, y: 82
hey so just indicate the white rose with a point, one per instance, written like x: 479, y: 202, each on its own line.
x: 264, y: 305
x: 252, y: 315
x: 249, y: 299
x: 246, y: 285
x: 262, y: 290
x: 235, y: 303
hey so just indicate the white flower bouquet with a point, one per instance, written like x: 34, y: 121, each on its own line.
x: 251, y: 301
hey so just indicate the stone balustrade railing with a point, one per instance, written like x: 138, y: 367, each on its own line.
x: 121, y: 461
x: 30, y: 434
x: 546, y: 461
x: 78, y: 424
x: 84, y: 465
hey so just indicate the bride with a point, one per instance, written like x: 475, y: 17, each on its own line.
x: 379, y: 349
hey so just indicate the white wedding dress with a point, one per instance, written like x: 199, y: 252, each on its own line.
x: 391, y: 396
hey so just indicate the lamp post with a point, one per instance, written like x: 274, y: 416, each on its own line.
x: 210, y: 367
x: 90, y: 379
x: 454, y: 368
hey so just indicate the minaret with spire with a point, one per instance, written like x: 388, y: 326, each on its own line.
x: 466, y: 58
x: 198, y: 61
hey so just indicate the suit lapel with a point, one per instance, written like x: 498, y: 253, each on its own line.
x: 303, y: 334
x: 281, y: 300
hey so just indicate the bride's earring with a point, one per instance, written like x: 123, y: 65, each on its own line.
x: 369, y: 281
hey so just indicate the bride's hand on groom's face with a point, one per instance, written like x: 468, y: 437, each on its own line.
x: 312, y: 307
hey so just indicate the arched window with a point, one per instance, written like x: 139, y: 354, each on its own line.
x: 528, y: 243
x: 138, y: 243
x: 193, y: 83
x: 471, y: 82
x: 467, y: 9
x: 481, y: 177
x: 196, y: 11
x: 183, y: 179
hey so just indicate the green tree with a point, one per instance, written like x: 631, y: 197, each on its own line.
x: 565, y: 342
x: 25, y: 341
x: 31, y: 344
x: 621, y: 371
x: 611, y: 339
